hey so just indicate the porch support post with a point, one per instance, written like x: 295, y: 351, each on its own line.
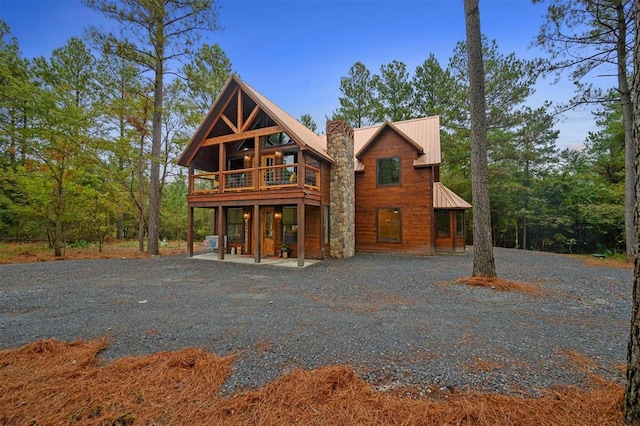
x: 221, y: 234
x: 256, y: 163
x: 189, y: 231
x: 302, y: 171
x: 256, y: 233
x: 221, y: 167
x: 191, y: 183
x: 301, y: 226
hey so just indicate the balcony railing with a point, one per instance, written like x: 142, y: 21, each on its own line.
x: 285, y: 175
x: 269, y: 177
x: 238, y: 180
x: 204, y: 183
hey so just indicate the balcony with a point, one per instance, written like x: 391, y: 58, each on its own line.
x: 265, y: 178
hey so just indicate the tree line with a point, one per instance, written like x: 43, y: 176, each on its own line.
x: 82, y: 141
x: 541, y: 197
x: 88, y: 143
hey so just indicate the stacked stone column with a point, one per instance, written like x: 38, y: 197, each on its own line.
x: 342, y: 208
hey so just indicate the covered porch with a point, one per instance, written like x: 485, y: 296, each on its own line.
x: 287, y: 229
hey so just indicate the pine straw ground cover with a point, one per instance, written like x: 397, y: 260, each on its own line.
x: 41, y: 252
x: 502, y: 285
x: 52, y: 382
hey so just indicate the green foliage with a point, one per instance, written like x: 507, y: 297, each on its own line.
x: 357, y: 103
x: 205, y: 77
x: 307, y: 120
x: 394, y: 92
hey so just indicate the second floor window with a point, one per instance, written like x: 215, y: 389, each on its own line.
x: 388, y: 170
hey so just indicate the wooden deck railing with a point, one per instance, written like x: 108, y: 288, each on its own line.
x: 204, y: 183
x: 269, y: 177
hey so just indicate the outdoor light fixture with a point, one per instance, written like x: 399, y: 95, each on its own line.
x: 278, y: 154
x: 396, y: 211
x: 278, y: 215
x: 246, y: 216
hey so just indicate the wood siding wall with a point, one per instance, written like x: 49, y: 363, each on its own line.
x: 325, y: 201
x: 413, y: 196
x: 312, y: 233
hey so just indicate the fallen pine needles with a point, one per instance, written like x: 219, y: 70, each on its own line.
x: 52, y: 382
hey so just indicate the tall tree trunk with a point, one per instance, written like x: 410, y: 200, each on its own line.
x: 156, y: 151
x: 140, y: 202
x: 524, y: 232
x: 120, y: 226
x: 632, y: 391
x: 483, y: 261
x: 627, y: 120
x: 58, y: 241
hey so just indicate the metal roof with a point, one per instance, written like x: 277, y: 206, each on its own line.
x: 444, y: 198
x: 423, y: 132
x: 306, y: 138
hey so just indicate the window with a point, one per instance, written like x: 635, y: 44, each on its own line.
x: 235, y: 225
x: 326, y: 225
x: 289, y: 174
x: 442, y: 223
x: 290, y: 225
x: 277, y: 139
x: 460, y: 223
x: 235, y: 164
x: 388, y: 171
x: 389, y: 225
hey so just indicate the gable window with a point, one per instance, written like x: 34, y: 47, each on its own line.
x: 442, y: 223
x: 388, y: 171
x: 290, y: 225
x: 389, y: 225
x: 277, y: 139
x: 235, y: 224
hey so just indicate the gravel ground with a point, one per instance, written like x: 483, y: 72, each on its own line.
x: 398, y: 320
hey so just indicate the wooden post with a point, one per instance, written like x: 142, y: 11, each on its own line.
x: 301, y: 226
x: 257, y: 247
x: 221, y: 232
x: 189, y: 231
x: 191, y: 182
x: 302, y: 172
x: 256, y: 163
x: 221, y: 166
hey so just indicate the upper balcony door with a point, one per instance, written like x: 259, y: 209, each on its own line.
x: 269, y: 175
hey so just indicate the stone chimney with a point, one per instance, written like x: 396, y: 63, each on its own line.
x: 342, y: 210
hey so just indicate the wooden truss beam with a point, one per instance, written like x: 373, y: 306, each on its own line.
x: 243, y: 135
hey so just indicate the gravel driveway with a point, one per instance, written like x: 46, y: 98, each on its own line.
x: 398, y: 320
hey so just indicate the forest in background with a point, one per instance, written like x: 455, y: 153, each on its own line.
x: 76, y: 131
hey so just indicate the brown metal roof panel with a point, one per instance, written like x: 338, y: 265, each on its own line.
x: 444, y: 198
x: 426, y: 133
x: 423, y: 132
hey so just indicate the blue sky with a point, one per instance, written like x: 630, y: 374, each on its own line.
x: 295, y: 52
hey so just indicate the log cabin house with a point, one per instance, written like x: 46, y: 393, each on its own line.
x: 274, y: 183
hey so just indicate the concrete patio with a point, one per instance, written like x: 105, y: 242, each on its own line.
x: 249, y: 259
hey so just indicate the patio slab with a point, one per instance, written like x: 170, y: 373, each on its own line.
x: 250, y: 260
